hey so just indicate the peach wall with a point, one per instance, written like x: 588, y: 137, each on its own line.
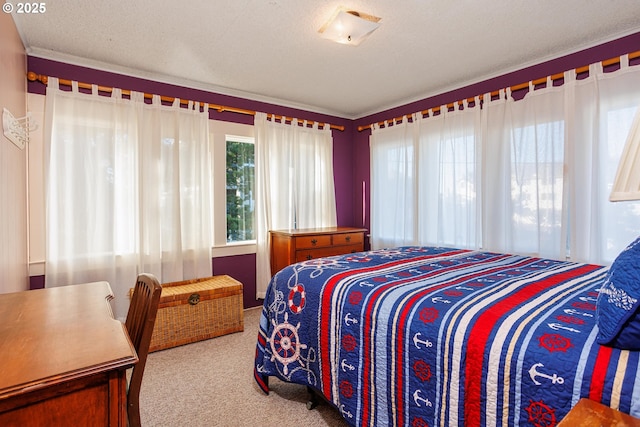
x: 13, y: 163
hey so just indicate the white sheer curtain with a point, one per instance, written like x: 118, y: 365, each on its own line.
x: 425, y: 178
x: 294, y: 183
x: 394, y: 219
x: 599, y: 117
x: 543, y: 170
x: 523, y: 169
x: 449, y: 177
x: 128, y: 189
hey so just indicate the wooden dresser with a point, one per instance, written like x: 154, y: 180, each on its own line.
x: 64, y: 358
x: 291, y: 246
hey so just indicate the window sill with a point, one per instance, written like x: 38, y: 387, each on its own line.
x: 232, y: 249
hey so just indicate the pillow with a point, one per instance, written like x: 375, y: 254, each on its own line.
x: 618, y: 305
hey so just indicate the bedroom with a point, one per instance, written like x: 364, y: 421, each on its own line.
x: 351, y: 152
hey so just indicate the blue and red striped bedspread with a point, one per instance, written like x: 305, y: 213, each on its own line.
x: 424, y: 336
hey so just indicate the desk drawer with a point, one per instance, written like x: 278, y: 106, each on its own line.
x: 314, y: 241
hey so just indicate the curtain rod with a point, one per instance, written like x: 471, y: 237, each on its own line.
x: 31, y: 76
x: 557, y: 76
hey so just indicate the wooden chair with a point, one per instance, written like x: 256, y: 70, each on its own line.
x: 140, y: 320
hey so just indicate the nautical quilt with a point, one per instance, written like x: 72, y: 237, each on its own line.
x: 428, y: 336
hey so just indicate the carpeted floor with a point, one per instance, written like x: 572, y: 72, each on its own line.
x: 210, y: 383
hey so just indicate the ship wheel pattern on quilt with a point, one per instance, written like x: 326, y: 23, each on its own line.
x: 541, y: 415
x: 285, y: 343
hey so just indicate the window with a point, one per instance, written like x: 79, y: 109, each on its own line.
x: 240, y: 172
x: 393, y: 187
x: 230, y: 219
x: 537, y: 164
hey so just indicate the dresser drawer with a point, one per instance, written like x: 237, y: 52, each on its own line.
x: 348, y: 238
x: 313, y: 241
x: 309, y: 254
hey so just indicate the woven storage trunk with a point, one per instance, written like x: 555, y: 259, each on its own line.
x: 199, y: 309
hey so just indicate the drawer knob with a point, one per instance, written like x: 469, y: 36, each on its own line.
x: 348, y: 238
x: 309, y: 257
x: 314, y: 241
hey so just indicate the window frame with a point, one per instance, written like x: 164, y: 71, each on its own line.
x: 219, y: 132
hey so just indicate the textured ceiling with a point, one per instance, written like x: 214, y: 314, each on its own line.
x: 271, y: 51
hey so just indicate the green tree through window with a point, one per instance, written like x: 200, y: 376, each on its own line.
x: 240, y: 191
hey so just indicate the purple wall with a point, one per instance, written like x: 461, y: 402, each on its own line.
x: 351, y: 148
x: 360, y: 141
x: 241, y: 267
x: 36, y: 282
x: 342, y: 139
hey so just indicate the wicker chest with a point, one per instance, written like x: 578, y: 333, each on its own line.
x: 195, y: 310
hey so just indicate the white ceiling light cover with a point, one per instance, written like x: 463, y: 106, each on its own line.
x: 349, y: 27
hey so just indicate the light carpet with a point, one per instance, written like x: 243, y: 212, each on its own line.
x: 210, y: 383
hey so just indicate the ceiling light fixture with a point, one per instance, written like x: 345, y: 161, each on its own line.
x: 349, y: 27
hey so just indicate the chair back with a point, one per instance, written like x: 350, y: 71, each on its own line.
x: 141, y: 318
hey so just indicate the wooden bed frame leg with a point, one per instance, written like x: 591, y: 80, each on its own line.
x: 313, y: 399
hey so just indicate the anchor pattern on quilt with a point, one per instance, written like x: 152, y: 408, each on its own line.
x: 534, y: 373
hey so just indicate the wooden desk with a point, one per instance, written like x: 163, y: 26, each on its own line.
x: 588, y: 413
x: 63, y: 358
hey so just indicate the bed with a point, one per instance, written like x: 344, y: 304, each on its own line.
x: 429, y: 336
